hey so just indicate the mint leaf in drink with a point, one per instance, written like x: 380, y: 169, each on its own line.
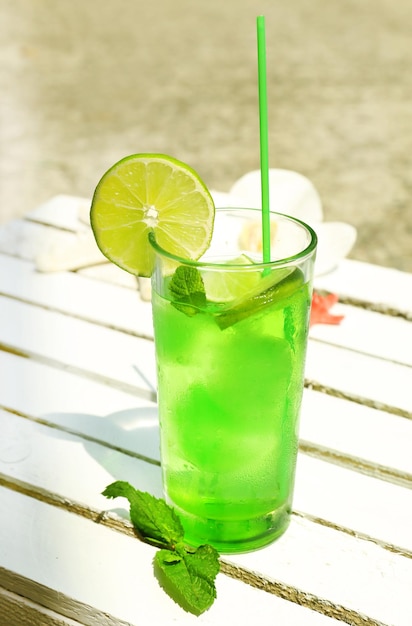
x: 153, y: 519
x: 186, y: 281
x: 186, y: 574
x: 188, y: 290
x: 189, y: 577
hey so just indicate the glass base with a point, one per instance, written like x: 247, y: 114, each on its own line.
x: 234, y: 536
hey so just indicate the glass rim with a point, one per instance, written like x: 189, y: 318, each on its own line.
x: 292, y: 259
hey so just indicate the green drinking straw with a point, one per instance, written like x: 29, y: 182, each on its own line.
x: 264, y: 140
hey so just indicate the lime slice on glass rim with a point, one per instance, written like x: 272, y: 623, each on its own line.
x: 145, y: 193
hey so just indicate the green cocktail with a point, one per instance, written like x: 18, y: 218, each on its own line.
x: 230, y: 336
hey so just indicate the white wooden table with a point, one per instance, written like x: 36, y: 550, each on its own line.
x: 77, y: 411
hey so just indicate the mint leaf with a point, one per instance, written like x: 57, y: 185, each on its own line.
x: 186, y: 281
x: 186, y: 574
x: 189, y: 577
x: 119, y: 489
x: 153, y: 519
x: 188, y: 290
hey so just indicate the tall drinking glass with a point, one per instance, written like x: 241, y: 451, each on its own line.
x: 230, y: 337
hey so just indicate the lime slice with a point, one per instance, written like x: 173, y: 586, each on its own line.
x: 235, y: 287
x: 230, y: 284
x: 146, y: 193
x: 272, y: 289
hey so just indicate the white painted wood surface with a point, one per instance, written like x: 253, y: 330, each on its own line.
x: 77, y: 410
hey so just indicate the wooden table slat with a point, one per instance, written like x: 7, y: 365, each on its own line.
x: 360, y: 376
x: 388, y: 288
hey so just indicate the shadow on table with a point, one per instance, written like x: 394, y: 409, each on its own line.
x: 125, y: 444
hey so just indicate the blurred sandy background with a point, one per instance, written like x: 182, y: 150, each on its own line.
x: 86, y: 82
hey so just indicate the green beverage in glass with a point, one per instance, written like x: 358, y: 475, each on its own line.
x: 230, y: 337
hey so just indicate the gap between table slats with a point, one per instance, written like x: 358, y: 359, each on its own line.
x: 20, y: 611
x: 344, y: 395
x: 133, y: 390
x: 403, y: 479
x: 79, y: 316
x: 376, y: 307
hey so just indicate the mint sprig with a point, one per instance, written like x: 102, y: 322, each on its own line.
x: 188, y: 290
x: 186, y: 574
